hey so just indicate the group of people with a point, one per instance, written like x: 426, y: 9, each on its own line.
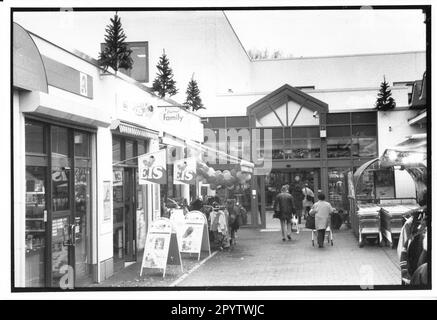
x: 286, y: 207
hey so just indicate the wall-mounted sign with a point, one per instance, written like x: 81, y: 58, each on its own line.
x: 184, y: 171
x: 161, y: 247
x: 173, y: 114
x: 153, y: 167
x: 83, y: 85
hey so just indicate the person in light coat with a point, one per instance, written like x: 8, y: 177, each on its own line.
x: 322, y: 211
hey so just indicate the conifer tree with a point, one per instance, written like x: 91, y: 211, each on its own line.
x: 193, y: 101
x: 164, y: 82
x: 115, y: 53
x: 385, y: 101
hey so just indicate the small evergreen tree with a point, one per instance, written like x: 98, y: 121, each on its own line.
x: 193, y: 101
x: 164, y: 82
x: 385, y: 101
x: 115, y: 53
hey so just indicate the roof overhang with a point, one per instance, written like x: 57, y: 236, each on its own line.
x: 134, y: 130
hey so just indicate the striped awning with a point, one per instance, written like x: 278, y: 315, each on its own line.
x: 133, y: 130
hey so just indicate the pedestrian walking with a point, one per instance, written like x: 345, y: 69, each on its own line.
x: 297, y: 195
x: 308, y: 199
x: 284, y: 210
x: 322, y: 211
x: 219, y: 227
x: 234, y: 217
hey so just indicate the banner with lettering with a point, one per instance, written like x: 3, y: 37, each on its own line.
x: 152, y: 167
x: 184, y: 171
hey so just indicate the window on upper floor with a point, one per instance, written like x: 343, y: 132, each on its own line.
x: 140, y: 57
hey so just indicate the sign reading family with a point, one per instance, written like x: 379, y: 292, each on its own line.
x: 153, y: 167
x: 173, y: 114
x: 184, y: 171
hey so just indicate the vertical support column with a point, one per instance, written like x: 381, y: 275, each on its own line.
x: 262, y: 193
x: 323, y: 156
x: 254, y: 200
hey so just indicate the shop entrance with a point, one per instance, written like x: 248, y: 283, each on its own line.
x: 124, y: 216
x: 58, y: 206
x: 296, y: 179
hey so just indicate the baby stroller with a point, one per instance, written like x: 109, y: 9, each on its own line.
x: 328, y: 235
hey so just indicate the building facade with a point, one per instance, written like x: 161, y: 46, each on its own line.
x: 80, y: 213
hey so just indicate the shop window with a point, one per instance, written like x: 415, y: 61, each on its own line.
x: 142, y: 147
x: 364, y: 117
x: 364, y: 131
x: 364, y: 147
x: 277, y: 148
x: 303, y: 148
x: 277, y: 133
x: 338, y: 118
x: 81, y: 144
x: 339, y: 147
x: 60, y: 189
x: 35, y: 138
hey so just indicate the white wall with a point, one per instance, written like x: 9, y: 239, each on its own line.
x: 397, y: 120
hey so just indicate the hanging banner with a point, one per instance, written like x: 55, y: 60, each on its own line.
x: 184, y: 171
x: 152, y: 167
x: 195, y: 235
x: 161, y: 247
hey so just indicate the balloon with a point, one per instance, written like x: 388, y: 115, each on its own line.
x: 239, y: 175
x: 212, y: 186
x: 233, y: 172
x: 211, y: 172
x: 248, y: 177
x: 231, y: 187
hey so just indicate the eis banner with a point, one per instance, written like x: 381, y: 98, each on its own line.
x: 184, y: 171
x: 153, y: 167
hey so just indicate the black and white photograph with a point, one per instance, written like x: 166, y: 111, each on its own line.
x: 307, y: 129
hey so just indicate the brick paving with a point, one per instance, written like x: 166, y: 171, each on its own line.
x: 263, y: 259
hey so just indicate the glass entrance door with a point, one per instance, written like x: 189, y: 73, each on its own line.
x: 58, y: 210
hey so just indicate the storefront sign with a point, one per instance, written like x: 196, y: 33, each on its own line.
x: 177, y: 219
x: 195, y: 238
x: 152, y: 167
x: 117, y: 179
x: 184, y: 171
x: 161, y: 247
x: 173, y: 114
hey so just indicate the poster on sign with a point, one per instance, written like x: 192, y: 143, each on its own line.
x: 152, y: 167
x: 184, y: 171
x: 195, y: 236
x: 177, y: 219
x: 161, y: 247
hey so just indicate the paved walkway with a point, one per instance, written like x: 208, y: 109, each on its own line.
x: 261, y: 258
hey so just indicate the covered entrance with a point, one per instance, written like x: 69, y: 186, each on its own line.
x: 288, y: 146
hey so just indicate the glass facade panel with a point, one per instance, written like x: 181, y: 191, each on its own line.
x: 364, y: 117
x: 338, y: 131
x: 304, y: 148
x: 130, y: 153
x: 60, y: 141
x: 364, y: 131
x: 34, y: 136
x: 81, y: 144
x: 60, y: 189
x: 305, y: 132
x: 338, y: 118
x: 139, y: 69
x: 364, y: 147
x: 339, y: 147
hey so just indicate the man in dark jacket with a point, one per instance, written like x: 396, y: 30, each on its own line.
x: 284, y: 208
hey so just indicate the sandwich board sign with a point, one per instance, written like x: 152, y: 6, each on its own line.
x: 177, y: 220
x: 195, y: 237
x: 161, y: 247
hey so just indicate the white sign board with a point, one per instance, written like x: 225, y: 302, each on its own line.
x: 195, y: 235
x: 161, y: 247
